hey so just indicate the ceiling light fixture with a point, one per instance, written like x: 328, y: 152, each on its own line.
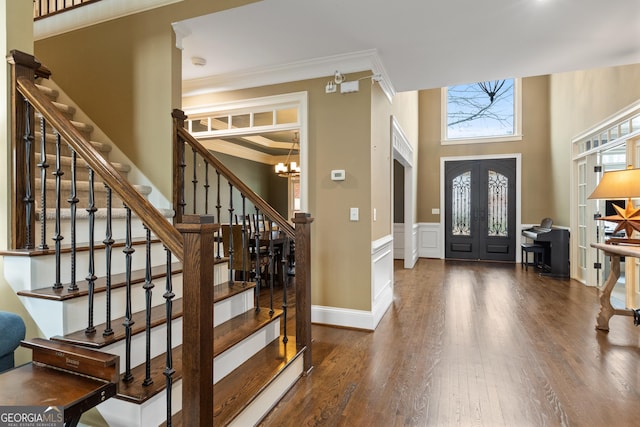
x: 287, y: 168
x: 198, y: 61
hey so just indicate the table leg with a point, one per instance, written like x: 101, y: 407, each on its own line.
x: 606, y: 309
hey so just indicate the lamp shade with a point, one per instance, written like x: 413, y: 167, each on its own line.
x: 621, y: 184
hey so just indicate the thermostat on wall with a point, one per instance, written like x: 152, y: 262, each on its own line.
x: 337, y: 175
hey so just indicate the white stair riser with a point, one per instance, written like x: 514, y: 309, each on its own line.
x: 119, y: 413
x: 63, y: 317
x: 138, y: 344
x: 118, y: 230
x: 24, y: 273
x: 241, y: 352
x: 231, y: 307
x: 223, y: 310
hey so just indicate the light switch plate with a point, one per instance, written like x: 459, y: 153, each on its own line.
x: 354, y: 214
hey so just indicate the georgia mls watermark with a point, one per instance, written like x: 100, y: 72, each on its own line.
x: 31, y: 416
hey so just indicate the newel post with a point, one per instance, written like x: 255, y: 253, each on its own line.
x: 179, y: 165
x: 197, y: 341
x: 302, y: 223
x: 23, y: 218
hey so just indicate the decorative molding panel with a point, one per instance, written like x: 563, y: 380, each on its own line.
x: 429, y: 240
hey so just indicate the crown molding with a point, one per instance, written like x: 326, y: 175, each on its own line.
x: 294, y: 71
x: 92, y: 14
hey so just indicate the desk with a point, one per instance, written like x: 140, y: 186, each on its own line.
x: 606, y: 309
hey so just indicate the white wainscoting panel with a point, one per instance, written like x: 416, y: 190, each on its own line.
x: 429, y: 240
x: 398, y: 241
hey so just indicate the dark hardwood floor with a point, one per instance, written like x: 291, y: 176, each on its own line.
x: 473, y: 344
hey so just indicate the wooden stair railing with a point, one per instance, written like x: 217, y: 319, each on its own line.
x: 301, y: 235
x: 23, y: 71
x: 45, y: 8
x: 184, y: 137
x: 192, y: 242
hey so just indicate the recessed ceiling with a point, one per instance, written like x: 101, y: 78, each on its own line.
x: 418, y: 44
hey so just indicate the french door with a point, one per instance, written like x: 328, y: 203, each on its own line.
x: 480, y: 209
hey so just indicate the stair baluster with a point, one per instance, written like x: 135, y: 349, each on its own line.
x: 169, y: 371
x: 57, y: 238
x: 148, y: 286
x: 182, y: 169
x: 272, y: 271
x: 43, y: 165
x: 108, y: 252
x: 73, y: 201
x: 28, y: 191
x: 245, y: 268
x: 91, y: 277
x: 206, y: 187
x: 256, y: 237
x: 285, y: 281
x: 218, y: 207
x: 128, y: 317
x: 195, y: 181
x: 230, y: 233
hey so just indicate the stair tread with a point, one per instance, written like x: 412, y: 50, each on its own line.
x: 134, y: 391
x: 80, y: 163
x: 271, y: 359
x: 80, y: 247
x: 233, y: 392
x: 228, y: 289
x: 117, y: 281
x: 233, y: 331
x: 51, y: 138
x: 236, y: 390
x: 98, y: 340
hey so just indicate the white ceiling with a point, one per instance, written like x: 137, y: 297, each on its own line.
x: 414, y: 44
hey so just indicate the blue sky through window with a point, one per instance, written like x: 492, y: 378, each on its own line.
x: 472, y: 114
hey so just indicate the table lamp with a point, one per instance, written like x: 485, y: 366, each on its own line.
x: 621, y: 184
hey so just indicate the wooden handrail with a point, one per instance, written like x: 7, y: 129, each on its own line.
x: 149, y: 215
x: 251, y: 195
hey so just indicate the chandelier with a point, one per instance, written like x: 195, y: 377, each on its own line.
x: 288, y: 168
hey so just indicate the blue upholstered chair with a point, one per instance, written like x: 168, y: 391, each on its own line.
x: 12, y: 331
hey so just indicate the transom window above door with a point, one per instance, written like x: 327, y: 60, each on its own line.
x: 482, y: 112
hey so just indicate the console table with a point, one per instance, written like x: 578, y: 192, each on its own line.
x: 606, y: 309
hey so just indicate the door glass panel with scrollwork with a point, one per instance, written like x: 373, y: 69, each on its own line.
x: 497, y: 205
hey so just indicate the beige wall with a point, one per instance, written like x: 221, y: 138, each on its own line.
x: 579, y: 100
x: 339, y: 138
x: 350, y: 132
x: 537, y: 187
x: 405, y: 110
x: 126, y: 75
x: 16, y: 33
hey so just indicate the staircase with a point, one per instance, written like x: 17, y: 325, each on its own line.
x: 111, y: 285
